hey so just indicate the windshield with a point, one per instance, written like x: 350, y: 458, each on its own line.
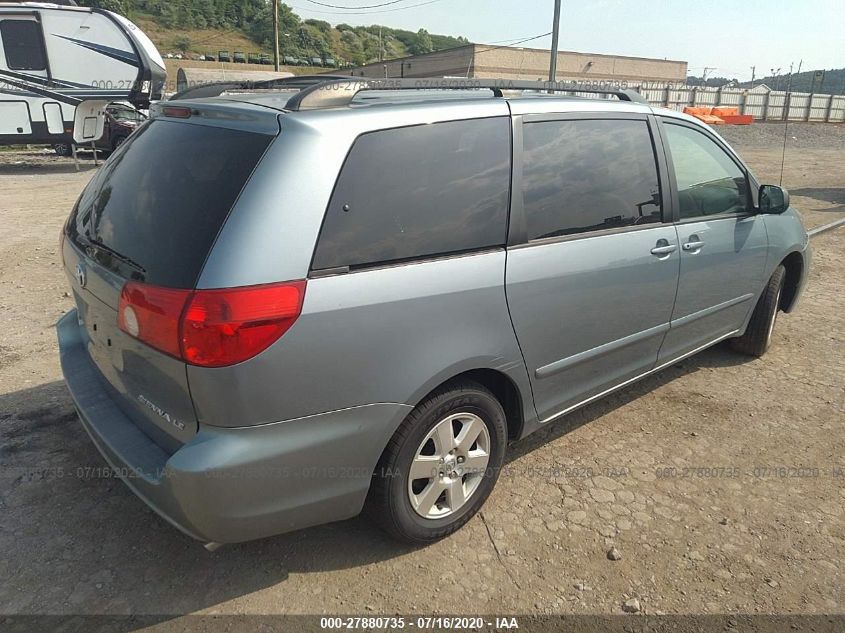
x: 154, y: 209
x: 122, y: 114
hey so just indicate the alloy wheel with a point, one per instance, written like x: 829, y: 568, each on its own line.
x: 449, y: 465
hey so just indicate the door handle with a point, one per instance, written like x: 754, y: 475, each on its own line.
x: 693, y: 245
x: 666, y: 249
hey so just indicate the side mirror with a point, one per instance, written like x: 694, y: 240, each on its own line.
x: 773, y: 199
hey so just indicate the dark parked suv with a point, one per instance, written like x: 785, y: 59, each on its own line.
x: 292, y: 304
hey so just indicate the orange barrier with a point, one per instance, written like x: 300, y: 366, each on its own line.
x: 720, y: 115
x: 723, y: 111
x: 738, y: 119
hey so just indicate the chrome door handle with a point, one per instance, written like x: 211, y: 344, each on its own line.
x: 664, y: 250
x: 693, y: 246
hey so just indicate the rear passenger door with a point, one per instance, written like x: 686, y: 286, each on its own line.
x: 592, y: 264
x: 723, y: 244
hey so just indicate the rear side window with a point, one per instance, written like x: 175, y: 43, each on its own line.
x: 161, y: 200
x: 588, y: 175
x: 23, y: 45
x: 419, y: 191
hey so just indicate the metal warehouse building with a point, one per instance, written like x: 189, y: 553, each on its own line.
x: 486, y: 61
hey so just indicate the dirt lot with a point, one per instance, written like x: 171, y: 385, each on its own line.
x: 720, y: 481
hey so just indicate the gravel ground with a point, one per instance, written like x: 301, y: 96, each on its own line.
x: 719, y: 481
x: 812, y: 164
x: 771, y: 135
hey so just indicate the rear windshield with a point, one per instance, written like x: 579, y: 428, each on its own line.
x: 154, y: 210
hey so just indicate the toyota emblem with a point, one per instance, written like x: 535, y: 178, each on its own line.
x: 81, y: 277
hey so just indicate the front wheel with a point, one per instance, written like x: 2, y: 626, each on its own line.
x: 758, y: 334
x: 63, y: 149
x: 440, y: 465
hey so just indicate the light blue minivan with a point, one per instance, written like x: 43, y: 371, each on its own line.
x: 295, y: 304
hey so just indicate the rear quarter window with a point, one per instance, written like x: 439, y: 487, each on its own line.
x: 163, y: 197
x: 420, y: 191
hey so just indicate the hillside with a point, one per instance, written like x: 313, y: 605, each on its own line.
x: 202, y: 41
x: 819, y: 81
x: 201, y: 27
x: 833, y: 82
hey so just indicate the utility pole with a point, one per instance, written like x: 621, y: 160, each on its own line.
x: 555, y: 34
x: 753, y: 71
x: 276, y: 35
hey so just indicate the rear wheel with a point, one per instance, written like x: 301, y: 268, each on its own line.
x: 440, y: 465
x: 758, y: 335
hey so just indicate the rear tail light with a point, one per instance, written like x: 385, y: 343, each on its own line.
x: 151, y: 314
x: 223, y: 327
x: 210, y: 328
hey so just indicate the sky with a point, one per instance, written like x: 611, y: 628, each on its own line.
x: 727, y: 36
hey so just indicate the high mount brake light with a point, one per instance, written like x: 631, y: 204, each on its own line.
x: 176, y: 112
x: 210, y: 328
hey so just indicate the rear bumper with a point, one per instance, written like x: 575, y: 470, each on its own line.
x: 236, y: 484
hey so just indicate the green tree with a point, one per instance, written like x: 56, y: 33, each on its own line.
x: 117, y: 6
x: 421, y: 44
x: 297, y: 38
x: 183, y: 43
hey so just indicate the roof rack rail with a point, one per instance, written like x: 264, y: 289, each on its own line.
x: 340, y: 92
x: 215, y: 89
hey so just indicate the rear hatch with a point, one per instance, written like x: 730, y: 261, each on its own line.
x: 151, y: 216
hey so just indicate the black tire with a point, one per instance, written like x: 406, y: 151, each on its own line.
x: 758, y: 335
x: 63, y: 149
x: 117, y: 142
x: 389, y: 503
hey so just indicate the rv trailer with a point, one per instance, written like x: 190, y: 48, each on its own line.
x: 55, y: 59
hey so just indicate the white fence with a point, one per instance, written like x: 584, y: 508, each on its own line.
x: 764, y: 106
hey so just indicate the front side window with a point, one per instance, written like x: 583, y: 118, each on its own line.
x: 419, y: 191
x: 23, y: 45
x: 709, y: 181
x: 588, y: 175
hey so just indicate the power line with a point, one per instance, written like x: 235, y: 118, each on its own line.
x: 527, y: 39
x: 410, y: 6
x: 369, y: 6
x: 507, y: 42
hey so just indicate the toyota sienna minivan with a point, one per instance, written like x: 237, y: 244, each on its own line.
x: 292, y: 305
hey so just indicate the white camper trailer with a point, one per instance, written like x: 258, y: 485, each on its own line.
x: 55, y: 59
